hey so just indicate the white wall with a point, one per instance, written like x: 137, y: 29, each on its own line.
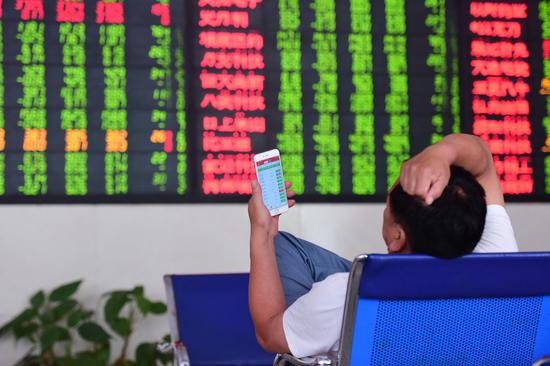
x: 119, y: 246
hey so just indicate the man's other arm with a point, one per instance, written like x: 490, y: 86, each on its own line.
x: 265, y: 293
x: 427, y: 174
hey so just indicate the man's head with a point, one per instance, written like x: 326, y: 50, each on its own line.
x: 450, y: 227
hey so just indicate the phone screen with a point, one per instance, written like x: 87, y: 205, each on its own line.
x: 270, y: 176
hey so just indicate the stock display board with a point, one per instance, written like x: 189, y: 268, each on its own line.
x: 168, y: 100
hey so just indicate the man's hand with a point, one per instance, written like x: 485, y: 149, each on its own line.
x: 260, y: 218
x: 427, y: 174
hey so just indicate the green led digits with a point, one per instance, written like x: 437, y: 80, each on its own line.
x: 161, y: 75
x: 437, y: 61
x: 361, y: 141
x: 325, y: 100
x: 290, y: 139
x: 2, y: 118
x: 32, y: 115
x: 396, y: 141
x: 74, y: 120
x: 114, y: 120
x: 181, y: 142
x: 544, y: 16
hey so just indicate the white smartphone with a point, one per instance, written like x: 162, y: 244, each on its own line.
x: 270, y: 175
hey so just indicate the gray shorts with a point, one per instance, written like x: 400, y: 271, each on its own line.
x: 302, y: 263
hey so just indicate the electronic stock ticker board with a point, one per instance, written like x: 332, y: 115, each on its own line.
x: 168, y: 100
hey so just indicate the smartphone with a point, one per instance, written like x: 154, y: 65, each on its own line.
x: 270, y: 175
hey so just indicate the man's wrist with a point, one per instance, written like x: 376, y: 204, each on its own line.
x: 260, y: 233
x: 445, y: 150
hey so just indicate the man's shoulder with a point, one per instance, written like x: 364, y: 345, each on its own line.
x: 498, y: 235
x: 330, y: 290
x: 335, y: 280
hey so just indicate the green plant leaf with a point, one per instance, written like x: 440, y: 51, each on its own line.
x: 113, y: 306
x: 47, y: 317
x: 146, y: 354
x: 38, y: 299
x: 97, y: 357
x: 30, y: 360
x: 138, y: 290
x: 158, y: 307
x: 65, y: 291
x: 92, y: 332
x: 63, y: 309
x: 25, y: 330
x: 143, y: 304
x: 51, y: 335
x: 21, y: 318
x: 121, y: 326
x: 77, y: 316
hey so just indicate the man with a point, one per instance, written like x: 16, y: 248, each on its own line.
x: 447, y: 202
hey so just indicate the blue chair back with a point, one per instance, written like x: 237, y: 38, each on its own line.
x: 481, y: 309
x: 209, y: 314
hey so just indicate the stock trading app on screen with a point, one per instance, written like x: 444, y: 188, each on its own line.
x: 168, y: 100
x: 270, y: 176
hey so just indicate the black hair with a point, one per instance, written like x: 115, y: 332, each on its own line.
x: 451, y: 226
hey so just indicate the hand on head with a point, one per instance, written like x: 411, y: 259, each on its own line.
x: 425, y: 175
x: 259, y: 215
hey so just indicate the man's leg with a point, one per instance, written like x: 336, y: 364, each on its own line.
x: 302, y: 263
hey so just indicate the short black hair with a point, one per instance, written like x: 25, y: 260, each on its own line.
x: 451, y: 226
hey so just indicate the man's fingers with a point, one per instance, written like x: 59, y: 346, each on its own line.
x: 255, y: 187
x: 423, y: 184
x: 290, y: 194
x: 435, y: 190
x: 288, y: 184
x: 291, y: 203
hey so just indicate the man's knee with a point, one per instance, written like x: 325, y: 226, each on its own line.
x: 287, y: 245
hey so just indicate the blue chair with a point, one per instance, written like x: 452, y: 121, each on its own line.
x: 481, y: 309
x: 210, y: 322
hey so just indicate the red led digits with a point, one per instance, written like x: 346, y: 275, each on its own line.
x: 233, y: 60
x: 232, y: 97
x: 111, y: 13
x: 500, y: 89
x: 237, y: 123
x: 231, y: 40
x: 70, y: 11
x: 498, y: 10
x: 242, y: 4
x: 30, y: 9
x: 503, y: 49
x: 223, y: 18
x: 163, y: 11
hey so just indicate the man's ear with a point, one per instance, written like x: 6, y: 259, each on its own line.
x: 398, y: 241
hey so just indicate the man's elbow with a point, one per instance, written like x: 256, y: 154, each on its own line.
x: 270, y: 343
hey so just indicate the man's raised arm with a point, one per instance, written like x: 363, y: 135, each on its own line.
x: 426, y: 174
x: 265, y: 293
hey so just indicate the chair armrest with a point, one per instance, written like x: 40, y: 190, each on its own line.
x: 545, y: 360
x: 330, y: 358
x: 181, y: 357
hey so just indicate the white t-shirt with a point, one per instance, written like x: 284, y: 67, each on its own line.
x: 312, y: 323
